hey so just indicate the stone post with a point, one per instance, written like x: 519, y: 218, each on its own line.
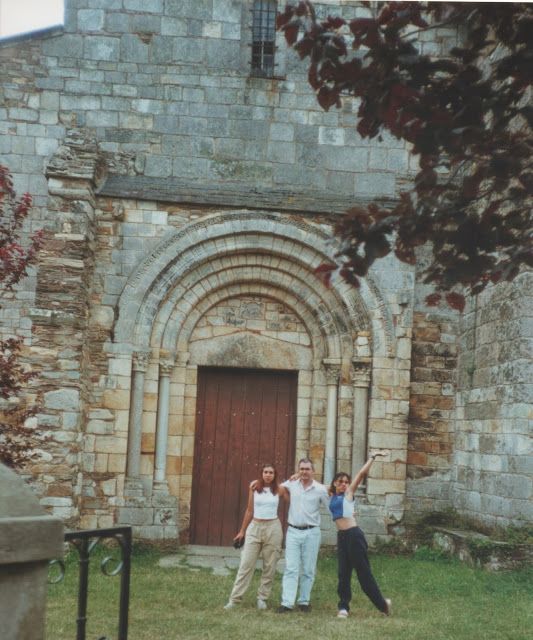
x: 332, y: 367
x: 165, y: 370
x: 133, y: 470
x: 29, y: 538
x: 361, y: 384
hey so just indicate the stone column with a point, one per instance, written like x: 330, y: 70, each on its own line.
x: 133, y: 470
x: 332, y: 367
x: 165, y: 370
x: 361, y: 384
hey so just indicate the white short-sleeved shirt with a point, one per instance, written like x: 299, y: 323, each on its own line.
x: 304, y: 508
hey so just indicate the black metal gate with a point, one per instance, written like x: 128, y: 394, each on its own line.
x: 84, y: 542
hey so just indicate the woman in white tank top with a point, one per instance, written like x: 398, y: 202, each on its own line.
x: 262, y: 534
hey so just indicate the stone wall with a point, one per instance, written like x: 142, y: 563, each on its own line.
x: 432, y: 412
x: 168, y: 84
x: 493, y: 462
x: 140, y: 119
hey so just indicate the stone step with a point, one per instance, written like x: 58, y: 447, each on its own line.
x: 220, y: 559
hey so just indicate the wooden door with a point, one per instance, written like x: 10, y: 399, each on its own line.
x: 244, y: 418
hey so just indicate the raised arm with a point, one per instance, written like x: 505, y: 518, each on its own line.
x: 362, y: 473
x: 248, y: 514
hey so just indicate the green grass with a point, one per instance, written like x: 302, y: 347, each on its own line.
x: 432, y: 600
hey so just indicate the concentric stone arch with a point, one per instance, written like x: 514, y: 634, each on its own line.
x: 183, y: 257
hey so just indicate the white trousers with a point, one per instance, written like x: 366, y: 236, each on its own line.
x: 301, y: 553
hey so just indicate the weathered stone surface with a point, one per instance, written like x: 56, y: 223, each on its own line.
x: 28, y: 540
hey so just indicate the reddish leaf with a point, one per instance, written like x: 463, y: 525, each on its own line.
x: 455, y: 300
x: 304, y: 47
x: 283, y: 18
x: 334, y: 22
x: 348, y: 275
x: 362, y: 25
x: 312, y: 77
x: 291, y: 33
x: 433, y: 299
x: 327, y: 97
x: 324, y: 272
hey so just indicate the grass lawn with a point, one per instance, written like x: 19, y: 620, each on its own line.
x: 432, y: 600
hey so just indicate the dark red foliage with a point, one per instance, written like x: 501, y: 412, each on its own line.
x: 16, y: 438
x: 466, y: 114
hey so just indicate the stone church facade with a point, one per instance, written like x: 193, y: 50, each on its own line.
x: 187, y: 182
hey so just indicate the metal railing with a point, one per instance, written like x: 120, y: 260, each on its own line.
x: 85, y: 542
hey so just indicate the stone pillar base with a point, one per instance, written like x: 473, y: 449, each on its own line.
x: 153, y: 518
x: 133, y: 488
x: 160, y: 488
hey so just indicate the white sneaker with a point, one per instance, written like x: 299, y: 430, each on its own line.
x: 342, y: 613
x: 261, y: 604
x: 229, y: 605
x: 388, y: 602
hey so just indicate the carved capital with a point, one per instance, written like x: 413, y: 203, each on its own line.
x: 166, y: 366
x: 333, y: 371
x: 183, y: 358
x: 361, y: 373
x: 140, y: 360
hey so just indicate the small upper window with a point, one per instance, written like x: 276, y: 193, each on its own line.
x: 263, y: 37
x: 24, y: 16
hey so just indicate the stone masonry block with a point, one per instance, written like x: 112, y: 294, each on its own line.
x: 282, y: 132
x: 191, y: 50
x: 66, y: 399
x: 375, y: 184
x: 173, y: 26
x: 117, y: 23
x: 101, y: 48
x: 154, y: 6
x: 133, y: 49
x: 283, y: 152
x: 90, y: 19
x: 158, y: 166
x: 57, y: 46
x: 344, y: 159
x: 136, y: 516
x: 162, y: 50
x: 331, y: 136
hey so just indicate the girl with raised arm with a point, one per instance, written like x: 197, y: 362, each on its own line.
x: 262, y: 533
x: 351, y: 543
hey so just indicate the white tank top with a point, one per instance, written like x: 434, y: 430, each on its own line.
x: 265, y: 505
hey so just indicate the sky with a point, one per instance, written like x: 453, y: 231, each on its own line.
x: 18, y: 16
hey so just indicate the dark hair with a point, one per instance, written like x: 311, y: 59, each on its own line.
x: 306, y: 460
x: 332, y: 490
x: 261, y: 485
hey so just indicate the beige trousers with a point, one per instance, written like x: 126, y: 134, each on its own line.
x: 261, y: 538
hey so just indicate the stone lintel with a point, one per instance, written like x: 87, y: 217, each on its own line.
x: 178, y: 191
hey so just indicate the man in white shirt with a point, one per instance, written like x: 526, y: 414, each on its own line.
x: 303, y: 537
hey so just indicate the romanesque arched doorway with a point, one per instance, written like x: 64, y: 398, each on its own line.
x: 239, y: 290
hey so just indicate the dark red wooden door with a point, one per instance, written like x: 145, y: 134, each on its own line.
x: 244, y: 418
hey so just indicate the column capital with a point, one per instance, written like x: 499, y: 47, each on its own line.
x: 140, y: 360
x: 333, y: 370
x: 361, y: 372
x: 165, y: 367
x: 182, y: 358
